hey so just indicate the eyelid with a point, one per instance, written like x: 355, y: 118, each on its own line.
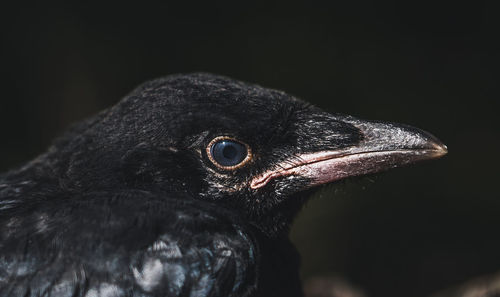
x: 247, y: 159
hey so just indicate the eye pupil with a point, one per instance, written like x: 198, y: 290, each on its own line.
x: 227, y: 152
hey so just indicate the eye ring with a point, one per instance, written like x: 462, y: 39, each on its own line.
x: 214, y: 141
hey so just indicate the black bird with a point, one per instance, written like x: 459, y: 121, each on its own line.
x: 187, y: 187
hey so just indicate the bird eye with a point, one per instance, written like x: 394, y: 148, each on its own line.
x: 228, y: 153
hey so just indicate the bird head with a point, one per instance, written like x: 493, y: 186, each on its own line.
x: 255, y: 151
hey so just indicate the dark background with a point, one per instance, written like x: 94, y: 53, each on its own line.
x: 408, y: 232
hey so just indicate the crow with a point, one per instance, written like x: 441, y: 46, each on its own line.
x: 186, y: 187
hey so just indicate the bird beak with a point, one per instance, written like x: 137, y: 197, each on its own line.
x: 383, y: 146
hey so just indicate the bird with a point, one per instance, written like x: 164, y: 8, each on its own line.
x: 186, y: 187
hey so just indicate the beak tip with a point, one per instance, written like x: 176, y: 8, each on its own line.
x: 425, y: 141
x: 439, y: 149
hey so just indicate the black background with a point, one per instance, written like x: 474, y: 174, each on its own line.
x: 409, y: 232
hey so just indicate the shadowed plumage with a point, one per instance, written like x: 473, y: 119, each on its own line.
x: 187, y: 187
